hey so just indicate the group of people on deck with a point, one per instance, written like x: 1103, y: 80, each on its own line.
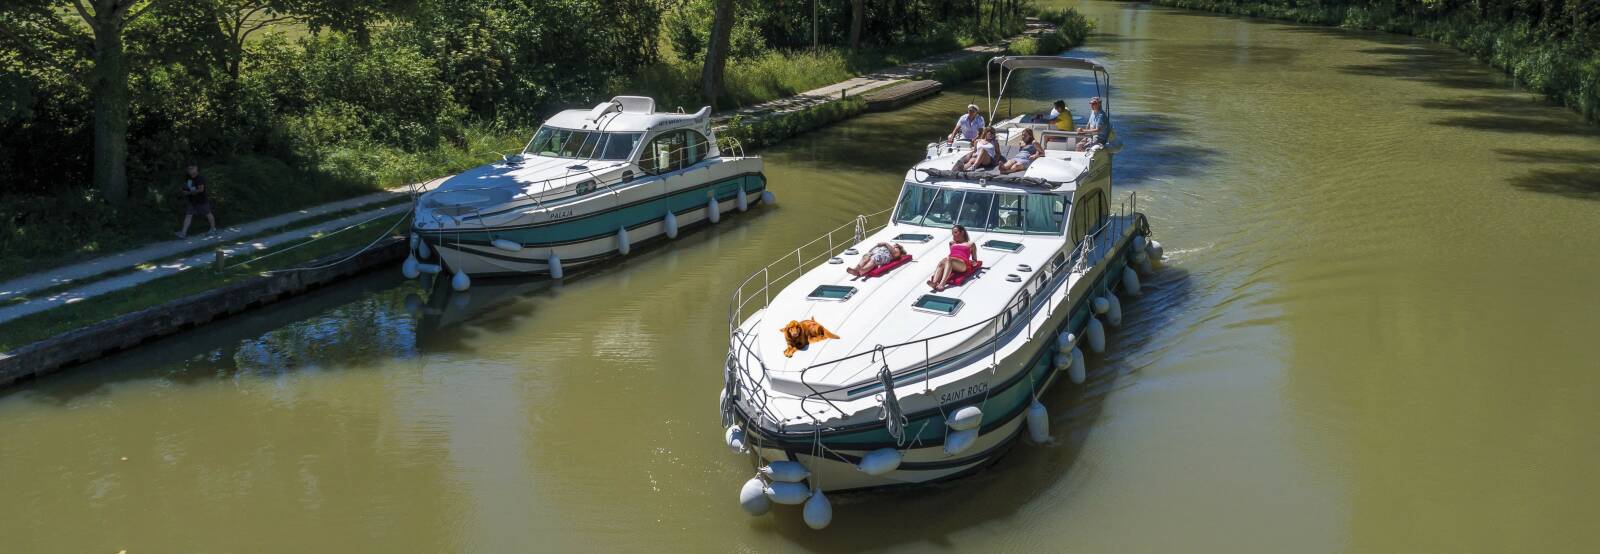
x: 985, y: 152
x: 963, y: 258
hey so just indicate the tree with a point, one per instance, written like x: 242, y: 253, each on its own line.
x: 35, y: 26
x: 858, y: 15
x: 717, y: 51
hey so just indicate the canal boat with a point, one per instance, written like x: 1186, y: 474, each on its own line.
x: 591, y: 184
x: 902, y: 384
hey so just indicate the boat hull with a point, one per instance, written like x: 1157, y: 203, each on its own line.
x: 590, y: 232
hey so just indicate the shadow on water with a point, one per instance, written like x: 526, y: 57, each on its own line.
x: 1159, y: 147
x: 1019, y: 478
x: 1571, y: 173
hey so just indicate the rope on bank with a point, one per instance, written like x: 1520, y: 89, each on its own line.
x: 363, y: 249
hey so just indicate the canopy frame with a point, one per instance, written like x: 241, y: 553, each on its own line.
x: 1001, y: 69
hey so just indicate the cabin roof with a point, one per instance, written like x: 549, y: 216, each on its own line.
x: 629, y: 114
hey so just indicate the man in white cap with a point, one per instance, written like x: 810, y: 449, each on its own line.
x: 968, y: 125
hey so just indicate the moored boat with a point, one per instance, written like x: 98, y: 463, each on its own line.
x: 905, y: 384
x: 591, y: 184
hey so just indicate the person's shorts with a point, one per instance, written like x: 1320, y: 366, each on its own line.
x: 199, y: 208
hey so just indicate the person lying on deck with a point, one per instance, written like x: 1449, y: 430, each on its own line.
x: 1025, y: 155
x: 984, y: 155
x: 963, y: 255
x: 880, y: 254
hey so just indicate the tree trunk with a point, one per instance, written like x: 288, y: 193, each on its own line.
x: 858, y: 16
x: 108, y: 83
x: 717, y: 52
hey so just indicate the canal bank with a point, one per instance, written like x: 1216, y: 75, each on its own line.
x: 762, y: 125
x: 1370, y: 340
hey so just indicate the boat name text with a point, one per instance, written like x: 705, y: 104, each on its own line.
x: 968, y: 392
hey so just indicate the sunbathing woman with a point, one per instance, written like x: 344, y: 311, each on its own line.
x: 962, y: 255
x: 1025, y: 155
x: 984, y: 155
x: 880, y: 254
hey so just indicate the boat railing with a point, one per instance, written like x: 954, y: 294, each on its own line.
x: 538, y: 199
x: 744, y: 363
x: 759, y: 285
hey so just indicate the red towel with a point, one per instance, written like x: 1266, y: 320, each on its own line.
x: 959, y: 278
x: 882, y: 269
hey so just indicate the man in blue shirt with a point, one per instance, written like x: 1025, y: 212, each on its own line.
x: 1099, y: 125
x: 968, y: 125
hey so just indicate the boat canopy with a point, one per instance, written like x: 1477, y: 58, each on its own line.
x: 629, y: 114
x: 1058, y: 62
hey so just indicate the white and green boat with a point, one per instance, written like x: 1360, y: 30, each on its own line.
x: 590, y: 185
x: 921, y: 385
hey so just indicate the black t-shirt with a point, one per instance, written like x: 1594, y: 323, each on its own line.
x: 196, y: 183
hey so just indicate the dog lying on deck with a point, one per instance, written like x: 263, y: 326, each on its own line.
x: 800, y: 334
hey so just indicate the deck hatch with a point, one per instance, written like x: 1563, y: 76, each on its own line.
x: 942, y: 305
x: 913, y: 237
x: 1003, y: 245
x: 832, y: 293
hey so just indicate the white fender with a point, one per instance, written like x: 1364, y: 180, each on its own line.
x: 1097, y: 335
x: 1145, y: 267
x: 1130, y: 281
x: 422, y: 250
x: 429, y: 268
x: 768, y: 198
x: 1114, y: 313
x: 1038, y: 423
x: 788, y: 493
x: 753, y: 497
x: 734, y: 438
x: 672, y: 225
x: 1138, y: 257
x: 1099, y: 304
x: 965, y: 418
x: 555, y: 266
x: 1139, y: 243
x: 414, y: 240
x: 1062, y: 360
x: 959, y: 441
x: 461, y: 281
x: 785, y: 471
x: 818, y: 512
x: 507, y: 245
x: 880, y: 462
x: 1079, y: 370
x: 742, y: 202
x: 622, y: 241
x: 1155, y: 250
x: 409, y: 267
x: 713, y: 211
x: 1064, y: 340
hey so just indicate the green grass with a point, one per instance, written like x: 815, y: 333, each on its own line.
x: 39, y: 326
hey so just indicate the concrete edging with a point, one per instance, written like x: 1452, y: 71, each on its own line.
x: 127, y: 331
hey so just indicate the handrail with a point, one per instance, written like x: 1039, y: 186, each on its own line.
x: 1006, y: 322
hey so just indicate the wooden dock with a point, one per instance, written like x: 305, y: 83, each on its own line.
x: 895, y: 96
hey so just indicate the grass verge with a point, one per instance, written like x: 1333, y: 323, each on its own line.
x: 36, y: 327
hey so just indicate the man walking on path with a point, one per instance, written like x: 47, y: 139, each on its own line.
x: 194, y: 190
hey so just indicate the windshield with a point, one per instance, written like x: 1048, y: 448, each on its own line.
x: 583, y: 145
x: 981, y: 211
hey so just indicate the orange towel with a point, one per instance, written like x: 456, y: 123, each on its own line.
x: 800, y: 334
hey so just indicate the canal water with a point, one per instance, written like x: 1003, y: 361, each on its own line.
x: 1375, y: 331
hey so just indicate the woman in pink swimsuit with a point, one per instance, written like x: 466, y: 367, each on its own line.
x: 962, y: 255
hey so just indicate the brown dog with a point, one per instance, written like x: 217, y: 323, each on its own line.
x: 800, y: 334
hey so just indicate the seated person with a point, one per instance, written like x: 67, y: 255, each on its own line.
x: 880, y: 254
x: 1098, y: 126
x: 984, y: 155
x: 1025, y: 155
x: 968, y: 126
x: 1059, y: 118
x: 963, y: 256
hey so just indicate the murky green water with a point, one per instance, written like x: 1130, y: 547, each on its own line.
x: 1376, y: 333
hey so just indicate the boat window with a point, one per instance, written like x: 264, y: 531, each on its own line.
x: 585, y: 145
x: 836, y: 293
x: 942, y: 305
x: 914, y: 202
x: 1089, y: 213
x: 1003, y: 245
x: 674, y: 150
x: 1045, y: 213
x: 619, y: 146
x: 913, y: 237
x: 975, y: 210
x: 1007, y: 216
